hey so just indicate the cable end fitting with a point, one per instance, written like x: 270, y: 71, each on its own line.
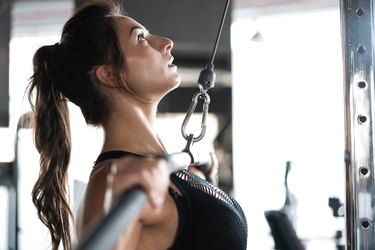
x: 207, y: 77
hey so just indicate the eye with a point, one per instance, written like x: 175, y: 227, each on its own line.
x: 141, y: 37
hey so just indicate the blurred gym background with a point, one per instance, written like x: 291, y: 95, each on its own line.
x: 277, y: 102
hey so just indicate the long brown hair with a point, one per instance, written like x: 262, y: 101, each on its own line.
x: 65, y: 72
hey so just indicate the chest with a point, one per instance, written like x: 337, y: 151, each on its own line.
x: 209, y: 218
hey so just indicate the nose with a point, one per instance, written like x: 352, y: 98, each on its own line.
x: 166, y: 45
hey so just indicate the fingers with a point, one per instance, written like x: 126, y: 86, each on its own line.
x: 149, y: 173
x: 208, y: 167
x: 154, y: 178
x: 214, y: 164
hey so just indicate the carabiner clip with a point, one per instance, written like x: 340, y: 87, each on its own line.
x: 190, y: 111
x: 189, y: 148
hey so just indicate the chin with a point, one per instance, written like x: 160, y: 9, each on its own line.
x: 172, y: 86
x: 178, y: 82
x: 174, y: 82
x: 175, y: 86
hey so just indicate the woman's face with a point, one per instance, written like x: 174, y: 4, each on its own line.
x: 149, y: 72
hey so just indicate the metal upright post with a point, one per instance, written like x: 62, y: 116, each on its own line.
x: 358, y: 53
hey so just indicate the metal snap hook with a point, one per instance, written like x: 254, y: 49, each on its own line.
x: 206, y: 103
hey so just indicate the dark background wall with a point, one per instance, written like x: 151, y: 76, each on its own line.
x: 192, y: 25
x: 5, y: 9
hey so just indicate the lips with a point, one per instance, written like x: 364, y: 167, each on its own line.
x: 170, y: 63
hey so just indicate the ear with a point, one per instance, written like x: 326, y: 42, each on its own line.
x: 105, y: 74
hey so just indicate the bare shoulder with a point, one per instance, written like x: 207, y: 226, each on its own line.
x: 91, y: 206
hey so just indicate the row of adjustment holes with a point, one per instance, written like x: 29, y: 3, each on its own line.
x: 361, y: 49
x: 362, y: 118
x: 360, y: 12
x: 365, y: 223
x: 364, y: 171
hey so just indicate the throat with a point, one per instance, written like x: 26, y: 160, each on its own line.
x: 141, y: 142
x: 134, y: 131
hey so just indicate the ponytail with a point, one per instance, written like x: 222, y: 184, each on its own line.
x: 53, y: 141
x: 62, y: 72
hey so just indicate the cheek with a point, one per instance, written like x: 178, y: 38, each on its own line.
x: 150, y: 80
x: 142, y: 83
x: 140, y: 71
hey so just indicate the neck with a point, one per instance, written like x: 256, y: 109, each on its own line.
x: 133, y: 129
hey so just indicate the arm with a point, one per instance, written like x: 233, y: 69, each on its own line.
x: 151, y: 174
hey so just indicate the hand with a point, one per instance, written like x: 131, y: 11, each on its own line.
x: 150, y: 173
x: 208, y: 170
x: 214, y: 166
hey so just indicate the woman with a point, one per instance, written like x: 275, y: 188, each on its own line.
x: 111, y: 67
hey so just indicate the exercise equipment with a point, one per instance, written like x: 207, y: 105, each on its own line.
x: 9, y: 178
x: 206, y: 81
x: 281, y: 221
x: 282, y: 230
x: 357, y: 22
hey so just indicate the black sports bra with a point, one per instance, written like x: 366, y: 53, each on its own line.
x: 209, y: 219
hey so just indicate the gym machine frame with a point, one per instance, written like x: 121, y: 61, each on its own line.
x: 357, y: 28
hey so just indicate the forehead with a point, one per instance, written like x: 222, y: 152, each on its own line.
x: 125, y: 23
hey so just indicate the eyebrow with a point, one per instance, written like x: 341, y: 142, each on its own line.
x: 136, y: 27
